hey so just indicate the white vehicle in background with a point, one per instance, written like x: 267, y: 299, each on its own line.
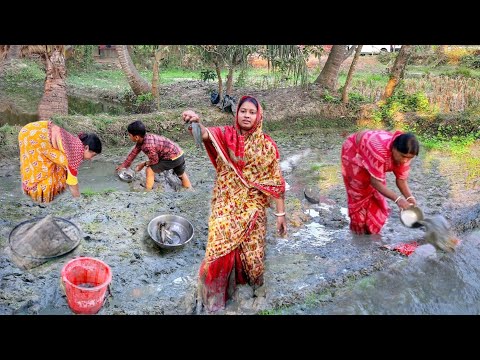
x: 377, y: 49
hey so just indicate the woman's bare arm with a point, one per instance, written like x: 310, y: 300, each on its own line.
x: 385, y: 191
x: 191, y: 116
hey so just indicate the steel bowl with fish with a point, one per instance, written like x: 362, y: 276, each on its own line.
x: 170, y: 231
x: 127, y: 175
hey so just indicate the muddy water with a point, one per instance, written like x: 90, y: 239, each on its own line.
x: 428, y: 282
x: 18, y: 108
x: 319, y: 267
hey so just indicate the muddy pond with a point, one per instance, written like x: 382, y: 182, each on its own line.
x: 318, y: 268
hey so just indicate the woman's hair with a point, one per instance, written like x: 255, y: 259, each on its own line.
x: 93, y: 142
x: 250, y: 99
x: 407, y: 144
x: 137, y: 128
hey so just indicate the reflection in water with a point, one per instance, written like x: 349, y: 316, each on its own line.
x: 95, y: 176
x: 81, y: 106
x: 12, y: 117
x: 13, y: 111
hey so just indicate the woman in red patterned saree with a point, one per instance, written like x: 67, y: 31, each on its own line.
x: 366, y: 157
x: 50, y: 157
x: 248, y: 174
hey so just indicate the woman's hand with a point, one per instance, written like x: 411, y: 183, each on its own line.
x: 403, y: 204
x: 282, y: 225
x: 412, y: 200
x: 119, y: 167
x: 74, y: 189
x: 190, y: 116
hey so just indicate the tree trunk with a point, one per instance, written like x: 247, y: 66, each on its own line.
x: 219, y: 77
x: 329, y: 75
x: 54, y: 100
x: 350, y: 73
x: 137, y: 83
x: 397, y: 70
x: 229, y: 81
x: 155, y: 77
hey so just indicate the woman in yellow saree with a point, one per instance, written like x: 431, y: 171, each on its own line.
x: 50, y: 157
x: 247, y: 163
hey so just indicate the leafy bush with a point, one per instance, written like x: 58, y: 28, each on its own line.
x: 455, y: 54
x: 207, y: 74
x: 460, y: 72
x: 242, y: 78
x: 386, y: 57
x: 141, y: 104
x: 471, y: 61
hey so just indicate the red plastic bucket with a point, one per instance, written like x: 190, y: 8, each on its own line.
x: 86, y: 281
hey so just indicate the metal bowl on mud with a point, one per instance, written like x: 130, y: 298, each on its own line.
x: 170, y: 231
x: 410, y: 217
x: 127, y: 175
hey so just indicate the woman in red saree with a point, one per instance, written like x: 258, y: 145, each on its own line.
x: 248, y: 174
x: 366, y: 157
x: 50, y: 157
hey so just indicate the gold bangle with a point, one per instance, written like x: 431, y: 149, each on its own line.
x: 398, y: 198
x: 279, y: 214
x: 410, y: 197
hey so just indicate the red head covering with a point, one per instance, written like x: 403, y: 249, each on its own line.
x: 229, y: 143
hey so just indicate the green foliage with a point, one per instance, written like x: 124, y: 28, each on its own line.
x: 141, y: 104
x: 90, y: 193
x: 400, y: 101
x: 462, y: 129
x: 241, y: 78
x: 207, y: 74
x: 460, y: 72
x: 471, y: 61
x: 356, y: 98
x: 82, y: 58
x: 330, y: 98
x: 142, y: 98
x: 102, y: 122
x: 6, y: 131
x: 386, y: 57
x: 276, y: 311
x: 25, y: 70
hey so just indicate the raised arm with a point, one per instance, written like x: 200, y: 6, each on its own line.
x: 191, y: 116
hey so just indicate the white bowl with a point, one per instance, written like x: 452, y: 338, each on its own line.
x: 410, y: 217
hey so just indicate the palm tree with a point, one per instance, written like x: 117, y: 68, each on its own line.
x: 54, y: 100
x: 397, y: 71
x: 138, y: 85
x: 328, y: 77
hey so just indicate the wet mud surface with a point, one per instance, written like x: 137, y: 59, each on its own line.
x: 318, y: 259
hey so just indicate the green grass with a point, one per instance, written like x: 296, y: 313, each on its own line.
x: 442, y: 70
x: 89, y: 192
